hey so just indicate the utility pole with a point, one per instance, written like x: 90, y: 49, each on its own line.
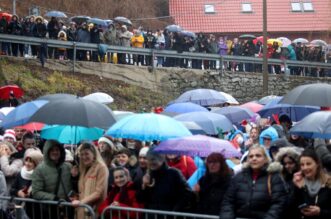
x: 14, y: 6
x: 265, y: 51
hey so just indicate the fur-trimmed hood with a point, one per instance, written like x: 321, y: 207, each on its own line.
x: 40, y: 18
x: 133, y: 161
x: 293, y: 152
x: 62, y: 32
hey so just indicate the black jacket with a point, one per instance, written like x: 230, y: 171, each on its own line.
x: 212, y: 190
x: 247, y: 198
x: 19, y: 184
x: 39, y: 30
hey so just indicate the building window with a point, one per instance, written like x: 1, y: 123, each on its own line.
x: 302, y: 6
x: 209, y: 9
x: 296, y: 6
x: 246, y: 7
x: 307, y: 6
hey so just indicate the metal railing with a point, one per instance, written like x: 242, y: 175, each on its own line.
x: 44, y: 209
x: 161, y: 53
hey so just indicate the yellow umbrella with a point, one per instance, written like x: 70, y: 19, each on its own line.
x: 271, y: 42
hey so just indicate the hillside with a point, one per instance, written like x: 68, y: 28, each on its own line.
x: 37, y: 81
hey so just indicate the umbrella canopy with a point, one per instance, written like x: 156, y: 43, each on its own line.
x: 52, y: 97
x: 75, y: 112
x: 188, y: 34
x: 173, y: 28
x: 257, y: 39
x: 184, y: 108
x: 319, y: 43
x: 80, y: 19
x: 229, y: 99
x: 6, y: 110
x: 247, y: 36
x: 203, y: 97
x: 310, y: 94
x: 6, y: 90
x: 211, y: 123
x: 99, y: 97
x: 267, y: 99
x: 315, y: 125
x: 194, y: 128
x: 67, y: 134
x: 300, y: 40
x: 123, y: 20
x: 271, y: 42
x: 285, y: 41
x: 122, y: 114
x: 148, y: 127
x: 98, y: 21
x: 197, y: 145
x: 295, y: 112
x: 32, y: 126
x: 252, y: 106
x: 235, y: 114
x: 6, y: 15
x: 58, y: 14
x: 21, y: 114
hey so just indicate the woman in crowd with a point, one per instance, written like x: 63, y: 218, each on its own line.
x: 255, y: 192
x: 312, y: 192
x: 213, y: 185
x: 93, y: 178
x: 122, y: 194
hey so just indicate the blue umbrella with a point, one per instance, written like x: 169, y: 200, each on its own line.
x: 235, y: 114
x: 148, y: 127
x: 265, y: 100
x: 67, y: 134
x: 188, y: 33
x: 173, y: 28
x: 211, y: 123
x: 98, y: 21
x: 203, y: 97
x: 184, y: 108
x: 21, y: 114
x: 58, y: 14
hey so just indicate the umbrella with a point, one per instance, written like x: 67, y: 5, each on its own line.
x: 229, y: 99
x: 52, y: 97
x: 315, y: 125
x: 99, y: 97
x: 260, y: 38
x: 6, y: 90
x: 186, y: 107
x: 2, y: 116
x: 211, y: 123
x: 75, y: 112
x: 235, y: 114
x: 123, y: 20
x: 247, y: 36
x: 300, y: 40
x: 98, y: 21
x: 32, y: 126
x: 122, y: 114
x: 265, y: 100
x: 188, y: 34
x: 319, y: 43
x: 67, y: 134
x: 80, y: 19
x: 194, y: 128
x: 285, y: 41
x: 254, y: 107
x: 6, y: 15
x: 173, y: 28
x: 271, y: 42
x: 310, y: 94
x: 203, y: 97
x: 197, y: 145
x: 295, y: 112
x: 21, y: 114
x: 58, y: 14
x: 6, y: 110
x: 148, y: 127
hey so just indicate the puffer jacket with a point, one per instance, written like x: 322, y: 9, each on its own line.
x: 45, y: 176
x: 248, y: 198
x: 137, y: 41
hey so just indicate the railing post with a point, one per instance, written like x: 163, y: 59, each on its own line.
x: 19, y: 212
x: 74, y: 57
x: 221, y: 63
x: 285, y: 68
x: 153, y: 58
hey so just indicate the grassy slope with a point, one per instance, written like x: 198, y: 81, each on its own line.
x: 37, y: 81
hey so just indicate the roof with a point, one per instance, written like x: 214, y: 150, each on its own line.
x: 229, y: 18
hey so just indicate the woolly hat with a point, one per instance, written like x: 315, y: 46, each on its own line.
x: 35, y: 155
x: 107, y: 141
x: 143, y: 152
x: 10, y: 133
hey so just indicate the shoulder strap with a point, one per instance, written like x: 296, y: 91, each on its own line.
x: 269, y: 185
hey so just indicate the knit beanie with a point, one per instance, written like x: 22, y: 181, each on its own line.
x: 143, y: 152
x: 107, y: 141
x: 10, y: 133
x: 35, y: 155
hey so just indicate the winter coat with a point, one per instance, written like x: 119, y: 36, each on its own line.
x: 19, y: 184
x: 3, y: 192
x: 53, y: 29
x: 45, y: 177
x: 3, y: 25
x: 236, y: 49
x: 149, y: 41
x: 222, y: 49
x: 248, y: 198
x: 271, y: 132
x: 213, y: 47
x: 170, y: 191
x: 39, y: 30
x: 323, y: 153
x: 109, y: 36
x: 92, y: 187
x: 125, y: 38
x: 27, y: 28
x: 10, y: 167
x: 95, y: 35
x: 292, y: 55
x: 126, y: 197
x: 63, y: 38
x: 138, y: 177
x: 83, y: 36
x: 185, y: 165
x: 212, y: 190
x: 131, y: 166
x: 71, y: 34
x: 15, y: 28
x: 137, y: 41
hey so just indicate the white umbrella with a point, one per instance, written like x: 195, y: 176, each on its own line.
x: 229, y: 99
x: 285, y: 41
x: 99, y: 97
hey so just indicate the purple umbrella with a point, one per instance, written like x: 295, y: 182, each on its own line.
x: 197, y: 145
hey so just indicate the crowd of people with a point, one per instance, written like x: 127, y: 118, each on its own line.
x: 279, y: 175
x: 117, y: 34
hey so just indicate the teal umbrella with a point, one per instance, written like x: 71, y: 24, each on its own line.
x: 67, y: 134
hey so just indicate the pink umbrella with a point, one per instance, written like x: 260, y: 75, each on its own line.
x: 254, y: 107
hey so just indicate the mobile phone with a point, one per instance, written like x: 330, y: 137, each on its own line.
x: 302, y: 206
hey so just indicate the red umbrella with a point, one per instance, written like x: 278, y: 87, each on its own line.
x: 260, y: 38
x: 32, y: 126
x: 6, y: 15
x: 254, y: 107
x: 6, y: 90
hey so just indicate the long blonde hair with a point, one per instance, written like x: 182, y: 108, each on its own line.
x: 97, y: 157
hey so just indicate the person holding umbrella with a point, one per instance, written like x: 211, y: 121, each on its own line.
x: 15, y: 28
x: 53, y: 28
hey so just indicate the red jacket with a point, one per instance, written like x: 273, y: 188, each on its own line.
x: 128, y: 200
x: 185, y: 164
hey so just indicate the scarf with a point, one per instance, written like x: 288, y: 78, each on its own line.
x: 313, y: 187
x: 26, y: 174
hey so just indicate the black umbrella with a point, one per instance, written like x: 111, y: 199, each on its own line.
x: 247, y: 36
x: 123, y: 20
x: 52, y: 97
x: 75, y: 112
x: 310, y: 94
x: 173, y: 28
x: 80, y: 19
x: 315, y: 125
